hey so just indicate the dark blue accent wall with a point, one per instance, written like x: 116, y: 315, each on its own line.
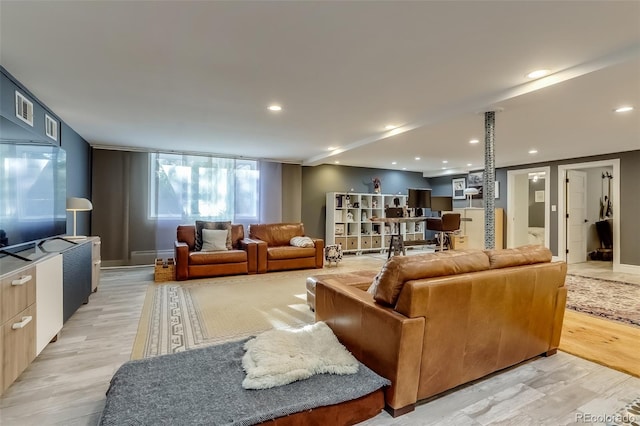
x: 78, y: 175
x: 78, y: 151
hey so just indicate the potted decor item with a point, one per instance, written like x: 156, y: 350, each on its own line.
x: 377, y: 185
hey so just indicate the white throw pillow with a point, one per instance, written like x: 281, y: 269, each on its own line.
x: 301, y: 242
x: 214, y: 239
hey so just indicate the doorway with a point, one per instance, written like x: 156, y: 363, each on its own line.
x: 588, y: 193
x: 528, y: 206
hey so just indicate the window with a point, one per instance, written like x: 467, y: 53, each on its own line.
x: 199, y: 187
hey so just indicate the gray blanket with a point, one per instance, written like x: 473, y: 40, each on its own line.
x: 204, y: 387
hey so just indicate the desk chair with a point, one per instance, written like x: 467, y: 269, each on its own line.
x: 445, y: 225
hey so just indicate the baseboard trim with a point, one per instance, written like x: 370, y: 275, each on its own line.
x: 627, y: 269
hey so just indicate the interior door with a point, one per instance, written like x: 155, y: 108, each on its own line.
x: 576, y: 221
x: 520, y: 220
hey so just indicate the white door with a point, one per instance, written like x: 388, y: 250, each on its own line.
x: 522, y: 200
x: 521, y: 204
x: 576, y: 216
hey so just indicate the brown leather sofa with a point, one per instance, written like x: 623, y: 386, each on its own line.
x: 440, y: 320
x: 275, y: 253
x: 243, y: 259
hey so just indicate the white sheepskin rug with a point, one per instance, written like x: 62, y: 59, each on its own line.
x: 279, y: 357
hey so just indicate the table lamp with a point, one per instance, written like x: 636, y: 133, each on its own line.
x: 470, y: 192
x: 75, y: 204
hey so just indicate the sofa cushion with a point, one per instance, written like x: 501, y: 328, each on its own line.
x: 276, y: 234
x: 201, y: 224
x: 217, y: 257
x: 524, y: 255
x: 214, y: 239
x: 400, y: 269
x: 290, y: 252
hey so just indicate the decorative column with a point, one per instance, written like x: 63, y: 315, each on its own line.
x: 489, y: 180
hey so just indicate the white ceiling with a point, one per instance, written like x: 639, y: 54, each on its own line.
x: 198, y: 76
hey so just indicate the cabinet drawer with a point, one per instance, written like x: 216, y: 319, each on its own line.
x: 376, y: 241
x: 342, y: 241
x: 365, y: 243
x: 18, y: 292
x: 18, y: 345
x: 352, y: 243
x: 459, y: 242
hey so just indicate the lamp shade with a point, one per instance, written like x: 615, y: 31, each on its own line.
x: 471, y: 191
x: 78, y: 204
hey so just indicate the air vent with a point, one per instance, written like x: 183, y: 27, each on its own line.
x: 24, y: 109
x: 51, y: 127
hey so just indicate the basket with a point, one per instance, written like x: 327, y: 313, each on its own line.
x: 165, y: 270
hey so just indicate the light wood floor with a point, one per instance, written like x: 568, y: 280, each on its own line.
x: 66, y: 384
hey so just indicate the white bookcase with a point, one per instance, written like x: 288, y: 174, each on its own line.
x: 348, y: 224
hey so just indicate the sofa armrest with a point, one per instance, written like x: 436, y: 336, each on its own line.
x: 384, y: 340
x: 319, y: 244
x: 261, y: 254
x: 251, y: 247
x: 181, y: 254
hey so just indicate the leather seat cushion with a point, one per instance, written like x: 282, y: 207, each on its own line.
x: 217, y: 257
x: 276, y: 234
x: 400, y: 269
x: 289, y: 252
x: 524, y: 255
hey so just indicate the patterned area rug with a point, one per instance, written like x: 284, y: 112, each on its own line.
x: 216, y: 310
x: 614, y: 300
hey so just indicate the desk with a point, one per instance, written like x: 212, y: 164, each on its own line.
x: 396, y: 245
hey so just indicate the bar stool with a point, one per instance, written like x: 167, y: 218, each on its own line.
x: 445, y: 225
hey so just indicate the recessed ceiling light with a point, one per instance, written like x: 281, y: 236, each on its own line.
x: 533, y: 151
x: 274, y: 108
x: 337, y: 162
x: 417, y: 158
x: 390, y: 127
x: 394, y: 162
x: 538, y: 73
x: 469, y: 164
x: 404, y: 168
x: 444, y: 168
x: 624, y: 109
x: 445, y: 161
x: 474, y: 141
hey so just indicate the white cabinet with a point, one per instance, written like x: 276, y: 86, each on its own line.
x: 348, y: 221
x: 48, y: 300
x: 472, y: 226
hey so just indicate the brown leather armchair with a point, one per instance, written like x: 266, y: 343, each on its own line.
x: 276, y: 254
x: 243, y: 259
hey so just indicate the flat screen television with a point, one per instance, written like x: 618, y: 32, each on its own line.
x: 32, y: 194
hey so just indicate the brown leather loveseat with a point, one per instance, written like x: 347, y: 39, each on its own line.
x: 275, y: 253
x: 439, y: 320
x: 242, y: 258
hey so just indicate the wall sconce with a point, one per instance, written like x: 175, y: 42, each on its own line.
x: 75, y: 204
x: 470, y: 192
